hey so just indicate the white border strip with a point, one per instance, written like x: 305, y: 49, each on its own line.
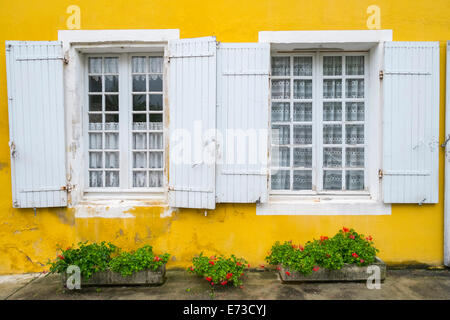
x: 325, y: 36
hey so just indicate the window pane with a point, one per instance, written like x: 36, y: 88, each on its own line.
x: 155, y: 122
x: 354, y: 111
x: 139, y: 179
x: 139, y: 83
x: 302, y: 89
x: 280, y: 180
x: 281, y: 89
x: 112, y: 141
x: 112, y: 179
x: 111, y: 65
x: 332, y: 157
x: 156, y: 64
x: 332, y: 134
x: 95, y: 179
x: 139, y: 121
x: 303, y: 157
x: 139, y: 159
x: 354, y: 88
x: 354, y: 65
x: 303, y: 134
x: 281, y: 66
x: 111, y: 160
x: 354, y: 180
x: 332, y: 180
x: 302, y: 111
x: 156, y: 160
x: 95, y: 65
x: 112, y: 102
x: 95, y: 102
x: 354, y: 157
x: 280, y: 111
x: 354, y: 134
x: 112, y: 122
x: 95, y: 83
x: 139, y: 102
x: 95, y: 160
x: 95, y: 122
x: 302, y: 66
x: 155, y: 83
x: 280, y: 135
x: 155, y: 140
x: 332, y: 111
x: 281, y: 157
x: 332, y: 66
x: 139, y: 141
x: 155, y: 102
x: 302, y: 180
x: 138, y: 64
x: 111, y: 83
x: 95, y: 141
x: 332, y: 88
x: 155, y: 179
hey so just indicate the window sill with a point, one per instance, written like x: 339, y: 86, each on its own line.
x: 288, y: 206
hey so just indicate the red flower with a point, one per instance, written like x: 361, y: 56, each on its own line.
x: 209, y: 279
x: 362, y: 260
x: 323, y: 238
x: 288, y: 273
x: 242, y: 274
x: 278, y: 268
x: 60, y: 257
x: 211, y: 262
x: 248, y: 266
x: 212, y: 283
x: 370, y: 238
x: 294, y: 246
x: 156, y: 258
x: 212, y: 258
x: 355, y: 255
x: 301, y: 248
x: 345, y: 229
x: 238, y: 264
x: 316, y: 268
x: 261, y: 265
x: 192, y: 269
x: 68, y: 248
x: 351, y: 236
x: 224, y: 283
x: 229, y: 275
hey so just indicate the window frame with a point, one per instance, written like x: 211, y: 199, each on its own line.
x: 317, y: 126
x: 125, y: 128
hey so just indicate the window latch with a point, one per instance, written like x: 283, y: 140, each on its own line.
x: 381, y: 74
x: 380, y: 174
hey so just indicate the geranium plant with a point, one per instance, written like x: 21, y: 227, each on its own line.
x: 347, y: 246
x: 219, y: 270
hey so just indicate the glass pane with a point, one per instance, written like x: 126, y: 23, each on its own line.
x: 332, y: 88
x: 139, y: 83
x: 156, y: 64
x: 302, y: 111
x: 139, y: 141
x: 155, y: 82
x: 139, y: 102
x: 332, y: 157
x: 139, y: 179
x: 354, y: 134
x: 111, y: 102
x: 112, y: 122
x: 354, y: 65
x: 332, y: 66
x: 354, y: 111
x: 281, y: 89
x: 95, y: 103
x: 139, y: 121
x: 303, y: 157
x: 155, y: 140
x: 281, y: 180
x: 332, y: 180
x: 155, y: 102
x: 302, y: 180
x: 111, y: 160
x: 281, y: 157
x: 112, y: 179
x: 95, y: 65
x: 111, y: 84
x: 303, y: 66
x: 111, y: 65
x: 139, y: 65
x: 303, y: 134
x: 332, y: 111
x: 332, y: 134
x: 95, y: 160
x: 111, y: 141
x: 155, y: 160
x: 156, y: 121
x: 302, y: 89
x: 95, y: 140
x: 281, y: 66
x: 95, y: 122
x: 280, y: 111
x: 95, y: 179
x: 354, y: 180
x: 354, y: 88
x: 155, y: 179
x: 281, y: 135
x: 354, y: 157
x: 139, y: 159
x: 95, y: 83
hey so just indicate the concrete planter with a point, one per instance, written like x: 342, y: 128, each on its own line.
x: 349, y: 272
x: 111, y: 278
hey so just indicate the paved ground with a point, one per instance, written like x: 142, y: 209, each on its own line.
x: 399, y: 284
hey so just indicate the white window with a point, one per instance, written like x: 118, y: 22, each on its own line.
x: 125, y: 121
x: 318, y: 116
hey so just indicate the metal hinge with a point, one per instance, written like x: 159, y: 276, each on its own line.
x: 68, y: 187
x: 12, y: 148
x: 381, y: 74
x: 380, y: 174
x: 444, y: 144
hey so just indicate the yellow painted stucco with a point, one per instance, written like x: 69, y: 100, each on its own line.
x: 411, y: 234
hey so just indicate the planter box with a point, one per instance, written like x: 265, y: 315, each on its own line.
x: 111, y: 278
x: 349, y: 272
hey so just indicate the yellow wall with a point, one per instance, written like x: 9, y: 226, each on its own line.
x: 411, y: 234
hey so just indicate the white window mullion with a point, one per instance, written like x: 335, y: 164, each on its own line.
x: 124, y: 127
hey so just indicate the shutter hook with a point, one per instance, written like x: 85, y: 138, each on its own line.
x: 447, y: 139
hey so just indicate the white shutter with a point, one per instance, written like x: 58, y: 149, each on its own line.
x: 242, y: 121
x: 36, y: 123
x: 411, y: 122
x: 192, y: 121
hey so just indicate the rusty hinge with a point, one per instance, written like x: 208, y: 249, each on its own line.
x: 381, y: 74
x: 380, y: 174
x: 68, y: 187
